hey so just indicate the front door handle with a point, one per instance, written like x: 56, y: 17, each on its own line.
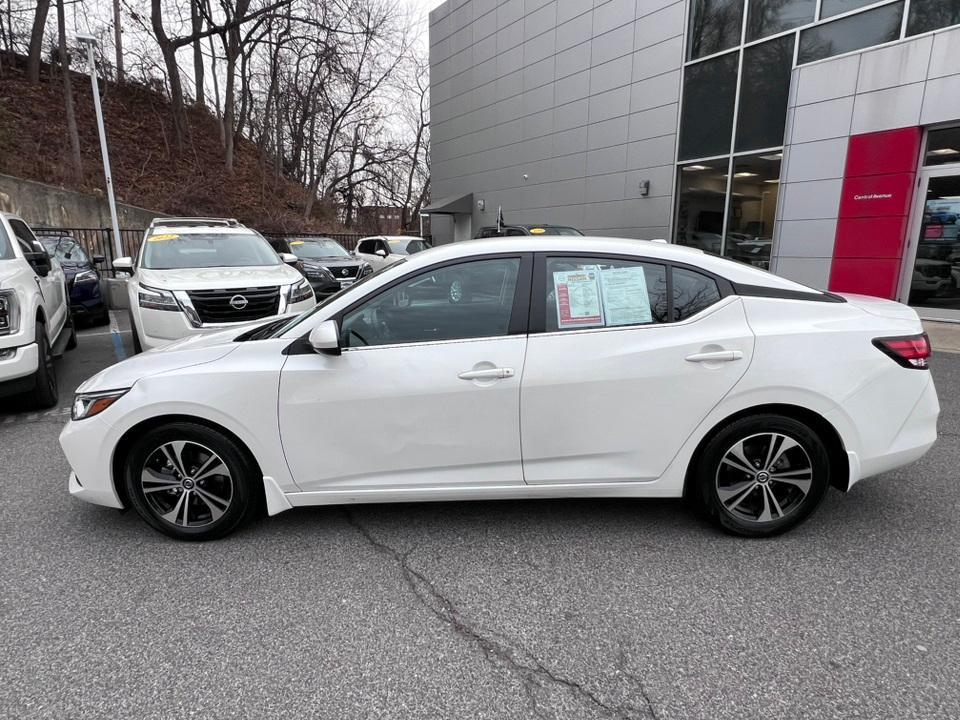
x: 716, y: 356
x: 487, y: 374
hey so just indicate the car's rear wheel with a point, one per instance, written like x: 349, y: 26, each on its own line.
x: 762, y: 475
x: 191, y: 482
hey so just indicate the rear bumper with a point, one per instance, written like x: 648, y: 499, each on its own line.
x: 912, y: 440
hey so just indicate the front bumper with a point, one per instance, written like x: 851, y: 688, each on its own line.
x: 16, y: 371
x: 88, y: 446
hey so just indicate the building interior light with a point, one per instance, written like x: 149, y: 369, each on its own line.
x: 744, y: 174
x: 778, y: 156
x: 775, y: 181
x: 944, y: 151
x: 695, y: 168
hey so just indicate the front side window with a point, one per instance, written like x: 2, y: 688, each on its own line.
x: 715, y: 26
x: 926, y: 15
x: 873, y: 27
x: 467, y: 300
x: 600, y: 292
x: 692, y: 292
x: 171, y: 251
x: 28, y: 242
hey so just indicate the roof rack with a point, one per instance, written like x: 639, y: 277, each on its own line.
x: 194, y: 222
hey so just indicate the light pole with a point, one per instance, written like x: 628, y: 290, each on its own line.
x: 91, y: 43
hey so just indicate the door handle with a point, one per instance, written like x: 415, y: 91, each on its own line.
x: 487, y: 374
x: 716, y: 356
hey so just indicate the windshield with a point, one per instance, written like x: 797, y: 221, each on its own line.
x: 350, y: 288
x: 173, y: 251
x: 65, y: 249
x: 555, y: 230
x: 402, y: 246
x: 316, y: 249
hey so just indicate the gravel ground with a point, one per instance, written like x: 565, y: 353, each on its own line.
x: 553, y: 609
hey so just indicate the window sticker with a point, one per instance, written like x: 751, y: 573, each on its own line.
x: 296, y: 242
x: 161, y: 238
x: 578, y: 298
x: 625, y: 298
x: 537, y: 231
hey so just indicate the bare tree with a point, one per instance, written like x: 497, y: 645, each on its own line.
x: 36, y: 40
x: 68, y: 93
x: 118, y: 39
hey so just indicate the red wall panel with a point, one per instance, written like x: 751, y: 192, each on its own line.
x: 877, y: 195
x: 893, y: 151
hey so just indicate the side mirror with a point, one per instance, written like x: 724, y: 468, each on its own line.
x: 40, y: 262
x: 381, y: 252
x: 99, y: 259
x: 123, y: 263
x: 289, y: 258
x: 325, y: 338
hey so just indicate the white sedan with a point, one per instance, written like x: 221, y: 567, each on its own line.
x: 571, y: 367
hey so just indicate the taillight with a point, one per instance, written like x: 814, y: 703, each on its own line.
x: 911, y: 351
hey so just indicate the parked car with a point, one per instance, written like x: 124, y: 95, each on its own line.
x: 327, y: 264
x: 194, y: 274
x: 490, y: 231
x: 35, y: 322
x: 383, y: 250
x: 612, y: 368
x: 87, y: 303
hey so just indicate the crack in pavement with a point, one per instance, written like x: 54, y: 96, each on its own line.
x: 496, y: 647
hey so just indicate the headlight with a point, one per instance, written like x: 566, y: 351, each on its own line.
x: 154, y: 299
x: 9, y: 312
x: 85, y: 276
x: 87, y: 405
x: 365, y: 270
x: 299, y: 292
x: 319, y: 273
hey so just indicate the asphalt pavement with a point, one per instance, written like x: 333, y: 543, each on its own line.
x: 548, y: 609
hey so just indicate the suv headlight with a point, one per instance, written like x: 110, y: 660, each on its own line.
x: 299, y: 292
x: 154, y: 299
x: 85, y: 276
x: 318, y: 273
x: 9, y: 312
x: 86, y: 405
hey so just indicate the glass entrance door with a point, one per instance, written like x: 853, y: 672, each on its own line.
x: 934, y: 282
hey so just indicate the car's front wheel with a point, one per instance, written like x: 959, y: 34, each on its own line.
x: 190, y: 481
x: 762, y: 475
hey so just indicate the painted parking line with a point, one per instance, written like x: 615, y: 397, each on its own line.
x: 117, y: 338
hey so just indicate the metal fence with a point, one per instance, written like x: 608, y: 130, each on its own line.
x: 99, y: 241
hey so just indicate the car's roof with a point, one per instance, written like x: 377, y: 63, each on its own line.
x: 201, y: 230
x: 733, y: 271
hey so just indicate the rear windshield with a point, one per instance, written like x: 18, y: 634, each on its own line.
x: 172, y: 251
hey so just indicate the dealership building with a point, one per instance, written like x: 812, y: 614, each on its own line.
x: 817, y: 138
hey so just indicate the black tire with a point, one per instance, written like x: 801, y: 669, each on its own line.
x: 237, y: 488
x: 137, y: 347
x: 758, y: 503
x: 45, y: 393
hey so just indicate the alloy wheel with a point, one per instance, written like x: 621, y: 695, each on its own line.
x: 456, y: 291
x: 186, y: 484
x: 764, y: 477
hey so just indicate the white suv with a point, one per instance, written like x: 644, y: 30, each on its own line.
x: 191, y: 274
x: 35, y: 324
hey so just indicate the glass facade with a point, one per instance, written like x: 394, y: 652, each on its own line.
x: 853, y: 32
x: 736, y: 85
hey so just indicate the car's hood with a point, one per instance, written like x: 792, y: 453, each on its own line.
x: 215, y: 278
x: 333, y: 261
x: 189, y: 351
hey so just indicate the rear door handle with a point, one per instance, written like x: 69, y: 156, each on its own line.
x: 487, y: 374
x: 717, y: 356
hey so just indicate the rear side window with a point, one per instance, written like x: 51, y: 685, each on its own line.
x: 692, y: 292
x: 601, y: 292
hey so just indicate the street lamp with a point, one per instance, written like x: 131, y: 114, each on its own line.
x: 91, y: 43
